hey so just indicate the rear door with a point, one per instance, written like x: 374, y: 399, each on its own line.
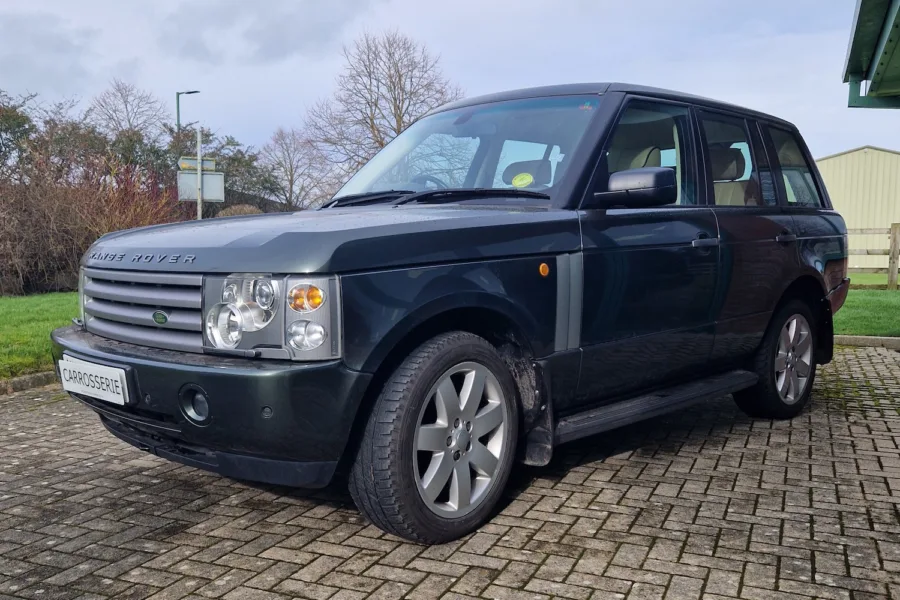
x: 758, y: 249
x: 649, y: 273
x: 820, y: 230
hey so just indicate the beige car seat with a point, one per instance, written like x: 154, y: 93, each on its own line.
x: 622, y: 159
x: 727, y: 166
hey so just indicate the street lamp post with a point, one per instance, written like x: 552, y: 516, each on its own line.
x: 199, y: 149
x: 178, y: 107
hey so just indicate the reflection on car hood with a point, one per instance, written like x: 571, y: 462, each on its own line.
x: 339, y: 240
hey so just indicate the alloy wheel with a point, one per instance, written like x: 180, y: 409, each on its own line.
x: 793, y: 359
x: 459, y: 440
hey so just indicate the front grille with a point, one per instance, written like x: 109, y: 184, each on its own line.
x: 120, y: 305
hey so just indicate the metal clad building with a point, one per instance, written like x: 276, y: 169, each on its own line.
x: 864, y: 185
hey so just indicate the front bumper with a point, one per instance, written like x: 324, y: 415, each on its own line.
x: 270, y: 421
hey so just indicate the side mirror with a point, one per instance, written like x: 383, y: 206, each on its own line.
x: 638, y: 188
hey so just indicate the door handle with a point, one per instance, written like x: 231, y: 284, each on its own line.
x: 705, y: 242
x: 785, y: 238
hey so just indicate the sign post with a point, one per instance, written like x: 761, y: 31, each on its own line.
x: 189, y: 163
x: 199, y: 173
x: 198, y: 180
x: 213, y: 186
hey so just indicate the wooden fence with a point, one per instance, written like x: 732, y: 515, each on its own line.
x: 893, y: 253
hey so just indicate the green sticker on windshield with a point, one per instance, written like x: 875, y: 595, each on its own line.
x: 522, y: 180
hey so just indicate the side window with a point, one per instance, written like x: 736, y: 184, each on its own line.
x: 651, y: 134
x: 730, y: 163
x: 799, y: 184
x: 527, y: 158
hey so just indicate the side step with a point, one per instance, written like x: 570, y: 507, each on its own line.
x: 622, y: 413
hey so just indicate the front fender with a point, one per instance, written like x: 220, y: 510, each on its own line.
x: 380, y: 309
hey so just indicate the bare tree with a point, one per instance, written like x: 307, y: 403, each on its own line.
x: 388, y: 82
x: 125, y: 107
x: 298, y: 171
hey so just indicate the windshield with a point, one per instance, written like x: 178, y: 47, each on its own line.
x: 524, y: 144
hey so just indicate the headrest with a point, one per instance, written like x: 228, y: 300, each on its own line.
x: 726, y: 164
x: 622, y: 159
x: 789, y: 155
x: 540, y: 172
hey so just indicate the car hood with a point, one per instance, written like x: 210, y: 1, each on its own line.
x: 339, y: 240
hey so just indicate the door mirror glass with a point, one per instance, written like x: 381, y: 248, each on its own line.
x: 638, y: 188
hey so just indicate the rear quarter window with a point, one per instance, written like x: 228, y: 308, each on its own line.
x: 799, y: 184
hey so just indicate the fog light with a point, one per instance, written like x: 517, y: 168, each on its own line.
x: 200, y: 407
x: 195, y: 404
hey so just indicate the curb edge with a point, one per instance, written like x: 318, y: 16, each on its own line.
x: 26, y: 382
x: 891, y: 343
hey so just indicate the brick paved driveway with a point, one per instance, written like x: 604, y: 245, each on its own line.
x: 705, y: 503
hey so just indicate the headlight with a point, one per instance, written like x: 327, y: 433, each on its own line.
x: 254, y: 296
x: 230, y: 293
x: 296, y: 317
x: 239, y: 305
x: 264, y: 294
x: 225, y: 325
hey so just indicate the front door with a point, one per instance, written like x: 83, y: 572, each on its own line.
x: 649, y: 274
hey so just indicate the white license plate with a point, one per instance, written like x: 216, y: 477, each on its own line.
x: 92, y: 380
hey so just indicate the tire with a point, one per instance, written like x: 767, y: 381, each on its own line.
x: 778, y: 395
x: 413, y: 432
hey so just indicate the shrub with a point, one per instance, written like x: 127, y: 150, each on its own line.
x: 63, y: 184
x: 69, y: 176
x: 239, y: 210
x: 45, y: 227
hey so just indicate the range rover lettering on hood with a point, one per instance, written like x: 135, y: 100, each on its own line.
x: 339, y: 240
x: 144, y: 258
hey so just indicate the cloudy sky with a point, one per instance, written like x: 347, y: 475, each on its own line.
x: 261, y: 64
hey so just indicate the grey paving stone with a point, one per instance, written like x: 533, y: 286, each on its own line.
x: 705, y: 503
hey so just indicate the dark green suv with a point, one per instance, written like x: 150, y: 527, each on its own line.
x: 512, y: 272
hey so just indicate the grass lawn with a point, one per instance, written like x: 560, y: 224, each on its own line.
x: 28, y: 320
x: 868, y: 279
x: 869, y: 312
x: 25, y: 326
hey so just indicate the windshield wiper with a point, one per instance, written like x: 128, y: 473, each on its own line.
x: 449, y: 195
x: 432, y: 196
x: 367, y: 198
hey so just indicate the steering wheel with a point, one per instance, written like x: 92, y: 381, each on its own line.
x: 425, y: 178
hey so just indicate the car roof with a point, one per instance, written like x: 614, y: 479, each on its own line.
x: 603, y: 88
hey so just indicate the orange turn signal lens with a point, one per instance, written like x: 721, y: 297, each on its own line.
x: 305, y: 298
x: 297, y: 298
x: 544, y: 269
x: 314, y: 297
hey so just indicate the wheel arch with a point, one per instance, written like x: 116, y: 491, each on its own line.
x: 494, y: 320
x: 481, y: 313
x: 810, y: 288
